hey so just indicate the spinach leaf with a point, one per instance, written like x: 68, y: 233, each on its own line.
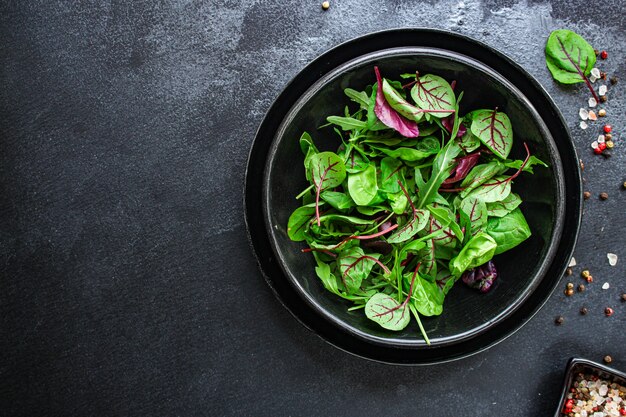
x: 299, y: 221
x: 326, y: 171
x: 494, y: 129
x: 363, y: 186
x: 427, y: 298
x: 337, y: 200
x: 477, y: 251
x: 508, y: 231
x: 391, y: 172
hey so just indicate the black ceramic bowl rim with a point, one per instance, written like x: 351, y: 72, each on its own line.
x: 369, y: 60
x: 253, y: 196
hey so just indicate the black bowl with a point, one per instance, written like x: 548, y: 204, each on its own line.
x: 528, y: 274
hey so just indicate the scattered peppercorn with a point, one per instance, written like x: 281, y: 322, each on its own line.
x: 606, y: 154
x: 583, y: 311
x: 624, y: 297
x: 581, y: 288
x: 608, y: 359
x: 603, y: 99
x: 582, y: 165
x: 586, y: 195
x: 624, y: 185
x: 585, y: 273
x: 608, y: 311
x: 604, y: 196
x: 610, y: 144
x: 569, y: 271
x: 604, y: 54
x: 589, y: 279
x: 559, y: 320
x: 596, y: 52
x: 603, y: 75
x: 614, y: 80
x: 608, y: 136
x: 326, y: 5
x: 601, y: 112
x: 569, y: 292
x: 607, y: 128
x: 569, y: 286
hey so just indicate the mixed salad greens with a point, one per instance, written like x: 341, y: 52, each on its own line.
x: 415, y: 198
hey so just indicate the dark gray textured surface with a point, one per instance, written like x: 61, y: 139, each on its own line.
x: 127, y: 286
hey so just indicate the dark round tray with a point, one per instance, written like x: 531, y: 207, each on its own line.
x: 254, y: 182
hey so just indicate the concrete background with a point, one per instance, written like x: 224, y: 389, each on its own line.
x: 127, y: 286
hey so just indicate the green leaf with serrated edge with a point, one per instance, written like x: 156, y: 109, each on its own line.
x: 432, y: 92
x: 476, y: 252
x: 479, y: 175
x: 494, y: 129
x: 508, y: 231
x: 477, y: 212
x: 399, y: 103
x: 387, y: 312
x: 504, y: 207
x: 496, y: 189
x: 569, y: 57
x: 533, y: 160
x: 441, y: 168
x: 355, y: 266
x: 363, y: 186
x: 359, y: 97
x: 347, y: 123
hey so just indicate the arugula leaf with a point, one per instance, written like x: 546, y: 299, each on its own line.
x: 442, y: 166
x: 347, y: 123
x: 359, y: 97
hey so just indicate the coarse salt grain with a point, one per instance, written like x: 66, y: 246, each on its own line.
x: 592, y: 115
x: 594, y: 144
x: 601, y: 139
x: 583, y: 113
x: 595, y: 72
x: 612, y: 259
x: 592, y: 102
x: 605, y: 286
x: 583, y: 125
x: 572, y: 262
x: 602, y: 90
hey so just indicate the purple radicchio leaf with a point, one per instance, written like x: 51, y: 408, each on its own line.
x: 389, y: 116
x: 463, y: 167
x: 481, y: 278
x: 448, y: 123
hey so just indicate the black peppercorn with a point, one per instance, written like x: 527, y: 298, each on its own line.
x: 559, y: 320
x: 583, y: 311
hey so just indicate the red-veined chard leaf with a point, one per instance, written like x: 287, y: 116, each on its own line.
x: 415, y: 223
x: 441, y: 168
x: 477, y: 251
x: 387, y: 312
x: 355, y: 266
x: 496, y: 189
x: 433, y: 93
x: 479, y: 175
x: 570, y: 58
x: 362, y: 186
x: 508, y: 231
x: 504, y: 207
x: 355, y: 161
x: 494, y: 129
x: 337, y: 200
x: 444, y: 280
x: 463, y: 167
x: 476, y: 211
x: 389, y: 116
x: 327, y: 171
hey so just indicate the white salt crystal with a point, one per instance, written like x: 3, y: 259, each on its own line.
x: 601, y: 139
x: 598, y: 414
x: 593, y: 79
x: 603, y: 390
x: 572, y: 262
x: 612, y: 259
x: 583, y: 113
x: 583, y: 413
x: 592, y: 115
x: 602, y: 90
x: 595, y: 72
x: 594, y: 144
x: 583, y: 125
x: 592, y: 102
x: 605, y: 286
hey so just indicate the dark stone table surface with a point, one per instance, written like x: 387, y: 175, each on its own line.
x: 127, y: 285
